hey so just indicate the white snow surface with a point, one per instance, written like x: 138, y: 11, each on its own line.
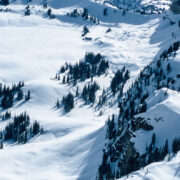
x: 34, y: 47
x: 164, y: 117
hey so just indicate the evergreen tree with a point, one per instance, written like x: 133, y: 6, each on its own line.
x: 77, y: 91
x: 45, y: 4
x: 27, y: 11
x: 85, y: 30
x: 165, y: 149
x: 57, y: 103
x: 19, y: 130
x: 105, y: 12
x: 20, y: 95
x: 49, y: 12
x: 4, y: 102
x: 28, y: 96
x: 153, y: 139
x: 36, y: 128
x: 68, y: 102
x: 111, y: 131
x: 143, y: 107
x: 4, y: 2
x: 64, y: 80
x: 85, y: 13
x: 176, y: 145
x: 1, y: 145
x: 89, y: 92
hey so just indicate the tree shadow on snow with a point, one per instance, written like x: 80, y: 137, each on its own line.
x: 96, y: 9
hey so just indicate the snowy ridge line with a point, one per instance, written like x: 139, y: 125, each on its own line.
x: 121, y: 155
x: 142, y: 6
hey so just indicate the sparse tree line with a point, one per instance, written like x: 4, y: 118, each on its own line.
x: 119, y: 80
x: 92, y: 65
x: 119, y: 149
x: 49, y: 13
x: 84, y: 14
x: 20, y: 129
x: 68, y: 102
x: 6, y: 116
x: 131, y: 160
x: 4, y: 2
x: 137, y: 7
x: 89, y: 92
x: 154, y: 77
x: 27, y: 11
x: 11, y: 94
x: 88, y: 95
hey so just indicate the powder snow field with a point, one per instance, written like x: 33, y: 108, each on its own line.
x: 33, y: 48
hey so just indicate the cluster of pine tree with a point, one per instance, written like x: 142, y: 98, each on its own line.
x: 84, y: 14
x: 68, y: 102
x: 7, y: 94
x: 176, y: 145
x: 155, y: 154
x: 6, y: 115
x: 4, y: 2
x: 45, y: 4
x: 93, y: 65
x: 89, y: 92
x: 88, y: 95
x: 137, y: 7
x: 118, y: 81
x: 140, y: 123
x: 27, y: 11
x: 154, y: 77
x: 119, y: 130
x: 111, y: 128
x: 20, y: 130
x: 102, y: 98
x: 50, y: 14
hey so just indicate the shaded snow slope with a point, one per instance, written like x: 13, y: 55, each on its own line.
x: 167, y: 169
x: 150, y: 6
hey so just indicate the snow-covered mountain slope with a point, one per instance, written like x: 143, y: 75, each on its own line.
x: 33, y: 48
x: 164, y: 117
x: 142, y: 6
x: 167, y: 169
